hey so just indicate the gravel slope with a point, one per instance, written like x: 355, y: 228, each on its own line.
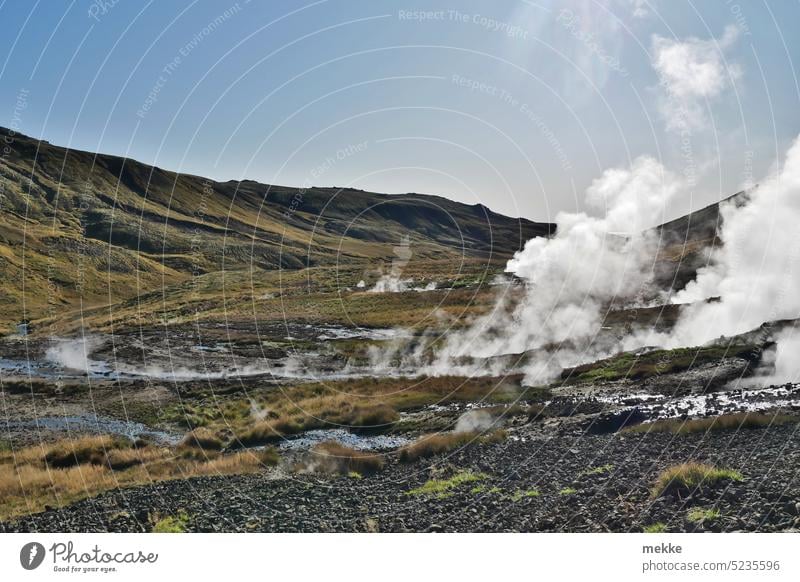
x: 615, y: 498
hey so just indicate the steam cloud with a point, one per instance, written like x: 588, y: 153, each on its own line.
x: 594, y: 264
x: 73, y: 354
x: 755, y: 272
x: 572, y: 277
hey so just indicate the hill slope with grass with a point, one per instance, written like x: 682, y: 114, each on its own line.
x: 79, y: 229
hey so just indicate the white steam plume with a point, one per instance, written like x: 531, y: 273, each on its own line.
x: 73, y: 354
x: 755, y: 273
x: 573, y: 277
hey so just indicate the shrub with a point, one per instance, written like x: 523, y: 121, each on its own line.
x: 332, y: 457
x: 690, y: 476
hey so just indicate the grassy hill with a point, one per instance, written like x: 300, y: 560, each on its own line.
x: 80, y: 231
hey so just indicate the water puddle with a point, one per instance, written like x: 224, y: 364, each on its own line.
x: 359, y: 442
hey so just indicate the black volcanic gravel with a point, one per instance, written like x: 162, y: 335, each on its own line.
x: 615, y: 499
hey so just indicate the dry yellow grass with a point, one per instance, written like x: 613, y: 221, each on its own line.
x: 332, y: 457
x: 436, y: 444
x: 367, y: 403
x: 687, y: 477
x: 28, y: 483
x: 736, y: 421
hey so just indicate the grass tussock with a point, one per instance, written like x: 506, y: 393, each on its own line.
x: 332, y: 457
x: 203, y: 439
x: 85, y: 450
x: 687, y: 477
x: 66, y: 471
x: 436, y: 444
x: 740, y: 420
x: 657, y: 527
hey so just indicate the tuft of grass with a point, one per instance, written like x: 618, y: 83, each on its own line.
x: 441, y: 488
x: 699, y: 514
x: 355, y: 475
x: 268, y: 456
x: 655, y: 528
x: 521, y: 494
x: 436, y: 444
x: 84, y: 450
x: 332, y: 457
x: 269, y: 432
x: 599, y: 470
x: 172, y: 523
x: 740, y: 420
x: 687, y: 477
x: 203, y: 439
x: 568, y: 491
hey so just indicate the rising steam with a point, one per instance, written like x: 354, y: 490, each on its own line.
x: 572, y: 278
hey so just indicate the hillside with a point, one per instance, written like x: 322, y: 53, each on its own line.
x: 82, y: 230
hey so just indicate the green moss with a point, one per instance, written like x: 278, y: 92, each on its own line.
x: 655, y: 363
x: 599, y: 470
x: 441, y: 488
x: 520, y: 494
x: 486, y: 489
x: 655, y: 528
x: 568, y: 491
x: 172, y: 524
x: 698, y: 514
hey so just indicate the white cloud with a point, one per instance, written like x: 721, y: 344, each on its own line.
x: 691, y: 73
x: 639, y: 8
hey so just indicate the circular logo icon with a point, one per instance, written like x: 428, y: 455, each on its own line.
x: 31, y: 555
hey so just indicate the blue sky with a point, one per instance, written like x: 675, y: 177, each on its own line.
x: 518, y: 105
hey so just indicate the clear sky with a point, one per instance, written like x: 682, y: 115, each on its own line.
x: 518, y: 105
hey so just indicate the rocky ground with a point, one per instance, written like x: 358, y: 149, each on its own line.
x: 585, y: 482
